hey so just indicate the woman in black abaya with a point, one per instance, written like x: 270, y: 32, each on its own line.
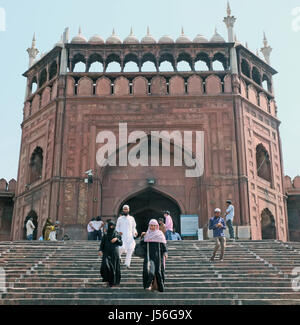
x: 109, y: 250
x: 156, y: 253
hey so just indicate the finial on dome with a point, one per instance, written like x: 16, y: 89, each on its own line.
x: 113, y: 39
x: 60, y: 42
x: 131, y: 39
x: 217, y: 38
x: 148, y: 39
x: 79, y: 39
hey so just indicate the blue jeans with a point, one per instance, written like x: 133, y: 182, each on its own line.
x: 230, y: 228
x: 30, y: 237
x: 168, y: 235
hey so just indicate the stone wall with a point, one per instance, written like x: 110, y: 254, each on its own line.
x: 292, y: 189
x: 7, y: 191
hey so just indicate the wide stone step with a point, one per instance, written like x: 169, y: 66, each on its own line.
x: 218, y: 284
x: 150, y: 302
x: 174, y: 288
x: 140, y: 294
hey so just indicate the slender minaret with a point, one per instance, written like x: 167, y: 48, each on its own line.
x: 32, y: 52
x: 266, y: 50
x: 64, y: 57
x: 229, y: 22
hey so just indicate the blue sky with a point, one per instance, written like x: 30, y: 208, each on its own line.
x: 49, y: 19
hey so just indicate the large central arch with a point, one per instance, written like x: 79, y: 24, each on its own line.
x: 150, y: 204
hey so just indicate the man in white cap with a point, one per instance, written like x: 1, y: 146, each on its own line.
x: 126, y: 226
x: 217, y: 224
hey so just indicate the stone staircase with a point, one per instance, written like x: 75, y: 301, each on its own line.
x: 254, y: 272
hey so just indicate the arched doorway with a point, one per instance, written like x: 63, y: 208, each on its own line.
x: 150, y: 204
x: 32, y: 214
x: 268, y: 225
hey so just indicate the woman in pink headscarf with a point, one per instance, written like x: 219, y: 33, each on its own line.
x: 156, y: 252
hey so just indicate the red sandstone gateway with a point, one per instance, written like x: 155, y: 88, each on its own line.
x: 231, y: 100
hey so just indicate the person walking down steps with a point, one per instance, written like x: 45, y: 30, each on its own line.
x: 109, y: 250
x: 217, y: 224
x: 155, y: 246
x: 126, y: 226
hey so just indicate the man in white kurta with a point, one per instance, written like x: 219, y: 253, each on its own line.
x: 126, y: 226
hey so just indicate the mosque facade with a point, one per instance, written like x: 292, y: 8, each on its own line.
x: 214, y: 87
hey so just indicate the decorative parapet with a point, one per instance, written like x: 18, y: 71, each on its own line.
x: 292, y: 187
x: 7, y: 188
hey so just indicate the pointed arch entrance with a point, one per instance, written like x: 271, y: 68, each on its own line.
x: 32, y: 214
x: 150, y: 204
x: 268, y: 225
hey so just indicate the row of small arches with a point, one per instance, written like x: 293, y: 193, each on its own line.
x: 46, y: 75
x: 148, y: 62
x: 140, y: 86
x: 252, y: 72
x: 258, y: 98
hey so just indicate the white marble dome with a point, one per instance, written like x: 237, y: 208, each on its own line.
x: 114, y: 39
x: 183, y: 38
x: 79, y: 39
x: 200, y: 39
x: 217, y: 38
x: 96, y: 39
x: 148, y: 39
x: 166, y: 39
x: 131, y: 39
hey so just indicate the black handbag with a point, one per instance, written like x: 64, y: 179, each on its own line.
x: 139, y: 251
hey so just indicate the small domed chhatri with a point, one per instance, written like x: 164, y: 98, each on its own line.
x: 96, y: 39
x: 183, y: 38
x: 200, y: 39
x: 79, y: 39
x: 114, y: 39
x: 166, y: 39
x: 60, y: 42
x: 131, y: 39
x: 148, y: 39
x: 217, y: 38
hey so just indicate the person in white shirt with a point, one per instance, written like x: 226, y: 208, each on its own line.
x: 30, y: 229
x: 229, y: 216
x: 98, y: 226
x: 126, y: 226
x: 91, y: 230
